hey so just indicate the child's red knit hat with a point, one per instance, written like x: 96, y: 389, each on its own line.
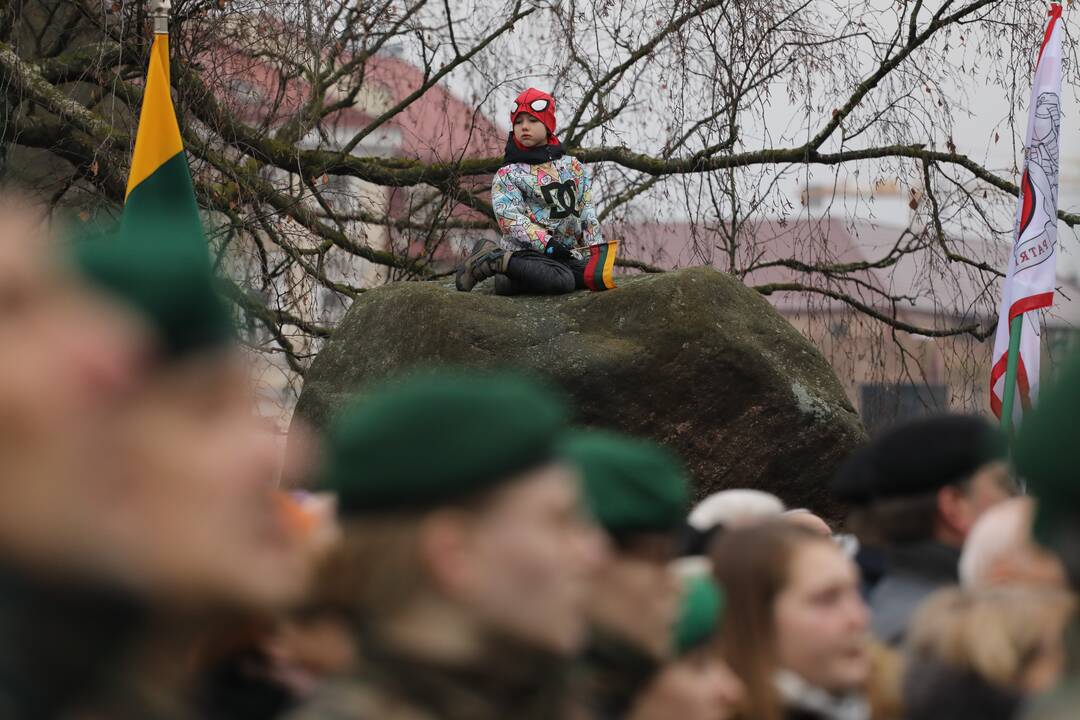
x: 541, y: 106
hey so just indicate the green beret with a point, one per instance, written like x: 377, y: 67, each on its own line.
x: 167, y: 280
x: 631, y: 485
x: 438, y: 438
x: 700, y: 614
x: 919, y: 457
x: 1045, y: 454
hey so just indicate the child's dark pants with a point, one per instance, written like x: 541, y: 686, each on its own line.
x: 533, y: 273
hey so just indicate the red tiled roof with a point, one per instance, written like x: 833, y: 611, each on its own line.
x: 437, y: 127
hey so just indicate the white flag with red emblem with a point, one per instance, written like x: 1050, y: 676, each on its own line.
x: 1030, y: 280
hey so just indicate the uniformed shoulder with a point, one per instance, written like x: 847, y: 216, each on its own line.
x: 355, y: 700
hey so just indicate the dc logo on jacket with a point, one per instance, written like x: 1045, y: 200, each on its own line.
x: 562, y: 198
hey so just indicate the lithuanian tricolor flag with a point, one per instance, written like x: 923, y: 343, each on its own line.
x: 159, y: 188
x: 601, y: 263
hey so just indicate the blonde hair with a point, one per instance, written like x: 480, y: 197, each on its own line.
x: 996, y: 633
x: 884, y: 687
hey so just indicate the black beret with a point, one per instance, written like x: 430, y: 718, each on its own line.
x: 435, y: 438
x: 919, y: 457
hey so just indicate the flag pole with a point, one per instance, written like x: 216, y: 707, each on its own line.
x: 159, y: 10
x: 1016, y: 355
x: 1009, y: 396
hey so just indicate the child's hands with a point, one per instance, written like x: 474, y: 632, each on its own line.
x: 558, y: 249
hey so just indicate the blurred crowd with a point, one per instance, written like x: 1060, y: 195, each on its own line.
x: 452, y: 546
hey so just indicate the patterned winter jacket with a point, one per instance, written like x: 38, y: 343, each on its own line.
x: 537, y: 202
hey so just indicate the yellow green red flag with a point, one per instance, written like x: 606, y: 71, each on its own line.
x: 600, y: 265
x: 159, y: 187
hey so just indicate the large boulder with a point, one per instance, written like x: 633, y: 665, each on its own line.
x: 692, y: 358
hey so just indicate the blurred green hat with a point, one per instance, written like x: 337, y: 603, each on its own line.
x: 631, y: 485
x: 1045, y: 453
x: 700, y: 615
x: 166, y: 279
x: 439, y: 437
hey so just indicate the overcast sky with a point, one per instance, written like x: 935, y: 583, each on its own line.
x: 980, y: 112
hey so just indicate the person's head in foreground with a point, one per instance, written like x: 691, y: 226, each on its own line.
x: 638, y: 492
x: 696, y: 684
x: 189, y: 469
x: 928, y: 480
x: 796, y: 629
x: 67, y: 357
x: 1046, y: 456
x: 1001, y: 550
x: 464, y: 533
x: 978, y: 654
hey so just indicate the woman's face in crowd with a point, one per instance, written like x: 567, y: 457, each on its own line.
x: 529, y: 131
x: 821, y: 620
x: 698, y: 686
x: 637, y: 595
x: 529, y: 560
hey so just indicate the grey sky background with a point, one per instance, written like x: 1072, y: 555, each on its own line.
x: 979, y: 92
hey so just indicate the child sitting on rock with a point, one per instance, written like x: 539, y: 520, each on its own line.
x: 542, y: 200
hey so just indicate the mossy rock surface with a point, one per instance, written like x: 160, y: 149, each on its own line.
x: 692, y: 358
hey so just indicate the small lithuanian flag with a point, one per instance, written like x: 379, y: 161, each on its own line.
x: 601, y: 263
x: 159, y: 187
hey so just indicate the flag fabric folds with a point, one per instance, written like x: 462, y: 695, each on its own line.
x: 599, y: 267
x: 1030, y: 279
x: 159, y: 187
